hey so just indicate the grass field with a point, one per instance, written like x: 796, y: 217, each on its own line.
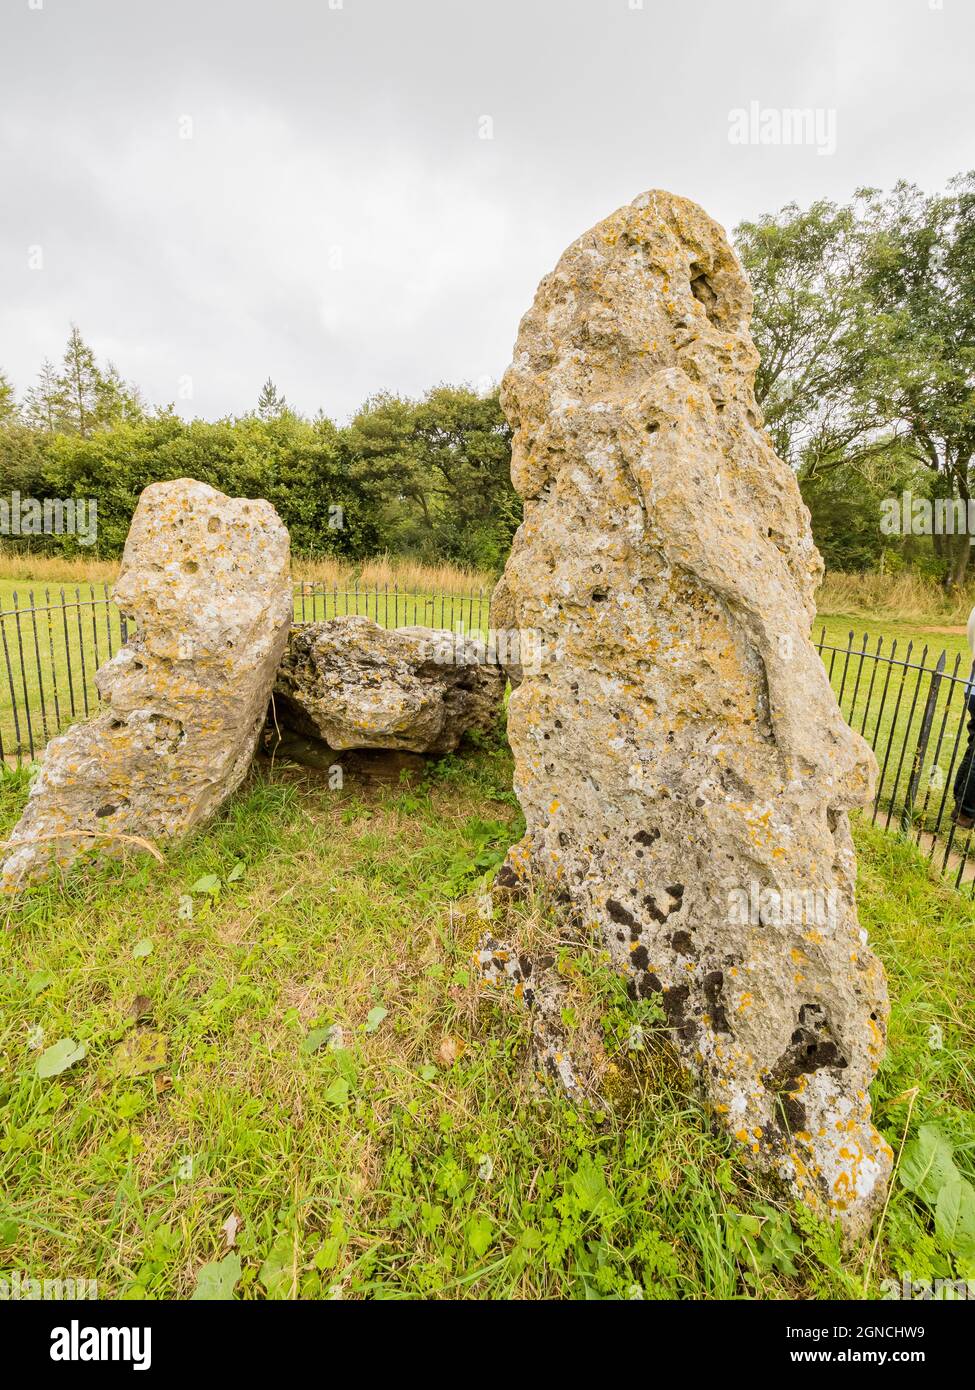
x: 215, y: 1136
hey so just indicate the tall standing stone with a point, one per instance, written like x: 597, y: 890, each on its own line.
x: 683, y: 766
x: 205, y: 579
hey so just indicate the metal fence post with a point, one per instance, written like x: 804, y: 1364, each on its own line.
x: 922, y: 744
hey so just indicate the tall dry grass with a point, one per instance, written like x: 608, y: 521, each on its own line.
x: 385, y: 570
x: 388, y: 570
x: 905, y: 597
x: 55, y: 569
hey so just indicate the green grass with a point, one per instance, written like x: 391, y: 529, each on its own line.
x: 414, y: 1161
x: 839, y: 626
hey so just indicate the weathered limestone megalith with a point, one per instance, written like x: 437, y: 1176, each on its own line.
x: 206, y: 580
x: 683, y: 766
x: 355, y: 684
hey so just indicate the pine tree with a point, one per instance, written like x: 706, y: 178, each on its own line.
x: 81, y: 386
x: 269, y: 404
x: 116, y: 399
x: 42, y: 404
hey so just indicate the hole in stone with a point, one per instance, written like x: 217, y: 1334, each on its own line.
x: 168, y: 733
x: 213, y: 524
x: 703, y: 292
x: 190, y: 567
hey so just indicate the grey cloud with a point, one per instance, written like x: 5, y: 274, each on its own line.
x: 336, y: 222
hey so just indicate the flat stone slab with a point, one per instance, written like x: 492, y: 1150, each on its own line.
x: 354, y: 684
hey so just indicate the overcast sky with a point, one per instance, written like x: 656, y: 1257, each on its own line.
x: 217, y: 191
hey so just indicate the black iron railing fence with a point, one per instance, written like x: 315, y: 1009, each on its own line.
x: 910, y: 709
x: 913, y: 713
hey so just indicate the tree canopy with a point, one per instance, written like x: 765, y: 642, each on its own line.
x: 865, y: 322
x: 430, y: 478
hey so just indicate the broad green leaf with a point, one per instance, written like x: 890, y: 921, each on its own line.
x: 314, y: 1040
x: 142, y: 948
x: 374, y: 1018
x: 328, y: 1253
x: 480, y: 1234
x: 954, y: 1218
x: 209, y: 883
x: 338, y: 1092
x: 59, y: 1057
x: 216, y: 1280
x: 278, y: 1270
x: 235, y: 873
x: 345, y: 1065
x: 589, y: 1185
x: 928, y: 1164
x: 39, y: 982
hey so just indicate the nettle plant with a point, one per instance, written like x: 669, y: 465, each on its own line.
x: 928, y: 1170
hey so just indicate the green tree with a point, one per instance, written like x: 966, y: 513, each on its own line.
x: 269, y: 403
x: 8, y: 401
x: 865, y: 322
x: 464, y: 445
x: 82, y: 397
x: 385, y: 462
x: 116, y: 399
x: 439, y: 474
x: 42, y: 407
x: 80, y: 387
x: 807, y: 272
x: 917, y: 350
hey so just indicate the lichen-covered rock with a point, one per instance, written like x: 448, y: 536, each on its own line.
x: 355, y: 684
x: 205, y: 579
x: 683, y: 766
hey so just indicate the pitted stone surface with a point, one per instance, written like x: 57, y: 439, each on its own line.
x: 355, y: 684
x: 683, y: 766
x: 535, y: 983
x: 205, y: 578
